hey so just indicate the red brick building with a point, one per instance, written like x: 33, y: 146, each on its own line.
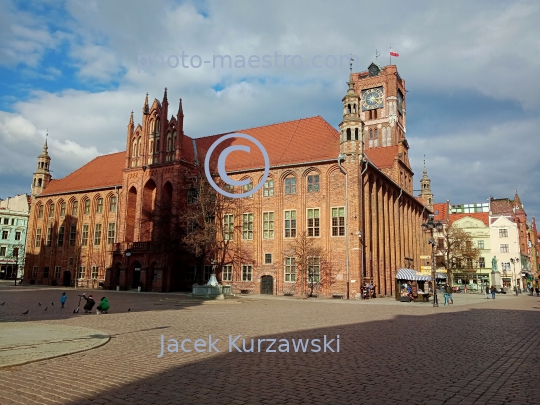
x: 350, y: 190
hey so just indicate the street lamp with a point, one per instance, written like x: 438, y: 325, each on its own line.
x: 431, y: 225
x: 514, y: 261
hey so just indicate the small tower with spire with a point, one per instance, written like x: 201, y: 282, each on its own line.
x: 42, y: 175
x: 352, y: 126
x: 425, y: 189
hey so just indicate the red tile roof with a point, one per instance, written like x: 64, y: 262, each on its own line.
x: 383, y: 157
x: 102, y: 172
x: 304, y: 140
x: 440, y: 210
x: 482, y: 216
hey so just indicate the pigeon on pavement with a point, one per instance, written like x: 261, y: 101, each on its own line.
x: 24, y: 313
x: 45, y: 308
x: 129, y: 309
x: 39, y: 303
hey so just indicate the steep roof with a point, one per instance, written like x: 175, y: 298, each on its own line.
x: 102, y: 172
x: 383, y: 157
x: 501, y: 206
x: 482, y: 216
x: 440, y: 210
x: 304, y: 140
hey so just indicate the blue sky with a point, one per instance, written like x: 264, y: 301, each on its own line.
x: 470, y: 68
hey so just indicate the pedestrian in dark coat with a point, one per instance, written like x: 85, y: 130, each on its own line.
x: 89, y: 303
x: 487, y: 291
x: 493, y: 292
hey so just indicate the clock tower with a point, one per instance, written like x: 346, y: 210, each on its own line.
x: 382, y: 114
x: 382, y: 93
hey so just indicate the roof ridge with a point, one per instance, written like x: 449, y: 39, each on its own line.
x: 268, y: 125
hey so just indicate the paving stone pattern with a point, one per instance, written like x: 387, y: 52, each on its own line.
x: 477, y: 352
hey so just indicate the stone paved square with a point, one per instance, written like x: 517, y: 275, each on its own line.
x: 473, y: 352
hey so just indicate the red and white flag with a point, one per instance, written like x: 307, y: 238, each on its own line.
x: 393, y: 53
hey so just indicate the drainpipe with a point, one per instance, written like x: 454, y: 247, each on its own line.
x: 339, y: 159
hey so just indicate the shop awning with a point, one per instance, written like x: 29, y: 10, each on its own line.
x: 412, y: 275
x: 440, y: 275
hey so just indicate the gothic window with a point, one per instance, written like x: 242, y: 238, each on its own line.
x: 356, y: 134
x: 313, y: 183
x: 39, y: 182
x: 290, y: 185
x: 99, y: 206
x: 348, y: 134
x: 112, y: 204
x: 153, y: 127
x: 370, y: 134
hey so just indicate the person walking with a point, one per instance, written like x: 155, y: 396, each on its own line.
x: 63, y: 299
x: 487, y: 292
x: 466, y: 288
x: 447, y: 293
x: 493, y: 291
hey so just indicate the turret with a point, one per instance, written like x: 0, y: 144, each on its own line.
x: 42, y: 175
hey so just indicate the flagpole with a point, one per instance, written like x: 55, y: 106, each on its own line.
x: 390, y: 55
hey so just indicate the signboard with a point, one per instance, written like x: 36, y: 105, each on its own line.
x: 425, y: 257
x: 425, y: 269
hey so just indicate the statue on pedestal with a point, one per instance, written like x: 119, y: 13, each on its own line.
x: 494, y: 264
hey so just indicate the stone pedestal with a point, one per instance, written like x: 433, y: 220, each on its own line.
x: 496, y: 279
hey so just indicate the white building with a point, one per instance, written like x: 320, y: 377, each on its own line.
x: 505, y: 247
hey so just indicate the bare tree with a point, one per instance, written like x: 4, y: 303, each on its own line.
x: 456, y: 251
x: 314, y: 271
x: 213, y: 224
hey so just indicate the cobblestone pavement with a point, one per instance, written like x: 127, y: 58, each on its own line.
x: 476, y: 352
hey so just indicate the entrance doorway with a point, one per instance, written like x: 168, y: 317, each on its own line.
x: 267, y: 285
x: 67, y: 278
x: 136, y: 277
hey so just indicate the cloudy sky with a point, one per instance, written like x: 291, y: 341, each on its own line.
x: 78, y: 68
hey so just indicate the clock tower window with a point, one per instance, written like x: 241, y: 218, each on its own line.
x: 348, y: 134
x: 356, y: 134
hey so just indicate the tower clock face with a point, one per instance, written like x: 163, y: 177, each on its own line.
x: 372, y: 98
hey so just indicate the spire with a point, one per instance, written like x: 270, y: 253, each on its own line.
x: 131, y: 119
x: 165, y: 94
x: 146, y: 108
x: 425, y: 171
x: 44, y: 152
x: 180, y: 109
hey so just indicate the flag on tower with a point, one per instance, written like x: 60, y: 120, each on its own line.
x: 393, y: 53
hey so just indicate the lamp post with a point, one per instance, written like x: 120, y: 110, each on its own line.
x: 514, y: 261
x: 431, y: 225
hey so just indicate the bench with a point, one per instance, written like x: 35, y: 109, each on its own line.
x: 337, y: 296
x: 244, y: 291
